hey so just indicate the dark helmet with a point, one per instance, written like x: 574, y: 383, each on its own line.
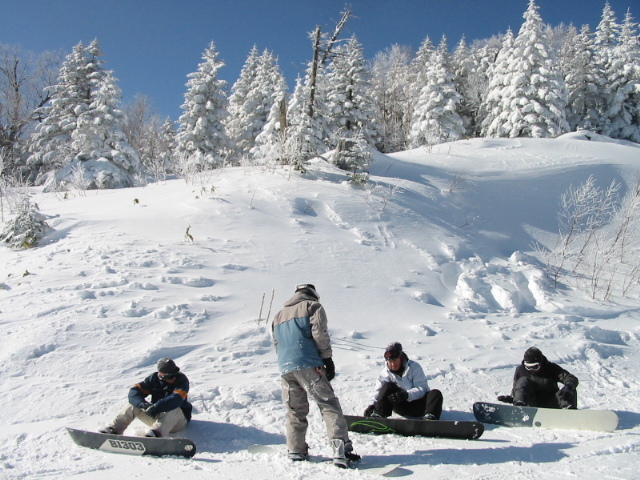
x: 309, y: 289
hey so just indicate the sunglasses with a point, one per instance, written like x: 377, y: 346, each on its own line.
x: 391, y: 356
x: 534, y: 367
x: 167, y: 376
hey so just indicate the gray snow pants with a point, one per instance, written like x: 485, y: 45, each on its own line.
x: 297, y: 387
x: 164, y: 423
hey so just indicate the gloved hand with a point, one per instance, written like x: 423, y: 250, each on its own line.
x: 143, y: 405
x: 566, y: 392
x: 399, y: 396
x: 505, y: 398
x: 329, y: 367
x: 152, y: 411
x: 369, y: 410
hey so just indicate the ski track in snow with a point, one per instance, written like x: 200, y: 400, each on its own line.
x: 117, y: 286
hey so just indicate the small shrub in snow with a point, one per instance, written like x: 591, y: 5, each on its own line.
x: 27, y: 228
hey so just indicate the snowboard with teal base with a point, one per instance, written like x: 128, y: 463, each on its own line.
x: 515, y: 416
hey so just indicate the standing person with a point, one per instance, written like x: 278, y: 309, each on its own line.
x: 303, y: 345
x: 402, y: 388
x: 535, y: 383
x: 169, y: 410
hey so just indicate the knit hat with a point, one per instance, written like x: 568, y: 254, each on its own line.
x: 533, y: 355
x: 166, y: 365
x: 393, y: 350
x: 309, y: 289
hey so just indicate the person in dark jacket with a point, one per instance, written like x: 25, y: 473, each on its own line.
x: 169, y: 410
x: 535, y: 383
x: 402, y: 388
x: 302, y: 342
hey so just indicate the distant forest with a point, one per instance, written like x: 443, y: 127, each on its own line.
x: 62, y: 125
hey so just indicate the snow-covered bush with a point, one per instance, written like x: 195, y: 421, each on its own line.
x: 599, y: 239
x: 27, y: 228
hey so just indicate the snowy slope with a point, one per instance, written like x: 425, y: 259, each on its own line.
x: 436, y: 252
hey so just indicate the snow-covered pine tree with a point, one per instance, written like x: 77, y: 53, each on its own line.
x: 417, y: 78
x: 476, y: 84
x: 351, y: 109
x: 622, y: 116
x: 390, y: 77
x: 202, y: 142
x: 499, y: 73
x: 296, y: 146
x: 533, y: 99
x: 269, y: 141
x: 50, y: 145
x: 606, y: 39
x: 87, y: 131
x: 98, y: 142
x: 463, y: 67
x: 576, y: 63
x: 435, y: 116
x: 239, y: 119
x: 308, y: 134
x: 27, y: 228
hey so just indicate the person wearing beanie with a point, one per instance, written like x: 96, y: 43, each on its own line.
x: 169, y: 410
x: 535, y: 383
x: 402, y: 388
x: 300, y: 335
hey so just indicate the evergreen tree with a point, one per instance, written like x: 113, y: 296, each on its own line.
x: 350, y: 108
x: 81, y: 134
x: 50, y: 143
x: 436, y: 119
x: 268, y: 143
x: 201, y: 141
x: 296, y: 146
x: 576, y: 64
x: 623, y: 112
x: 531, y: 98
x: 390, y: 72
x: 98, y: 142
x: 499, y: 74
x: 475, y: 82
x: 241, y: 108
x: 417, y: 78
x: 606, y: 39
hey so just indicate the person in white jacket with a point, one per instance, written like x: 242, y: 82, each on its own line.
x: 402, y: 388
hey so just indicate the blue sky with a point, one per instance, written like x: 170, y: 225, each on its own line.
x: 151, y: 45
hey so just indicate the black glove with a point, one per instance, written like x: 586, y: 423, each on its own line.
x: 566, y: 392
x: 143, y: 405
x: 329, y: 367
x: 369, y: 410
x: 152, y: 411
x: 505, y: 398
x: 399, y: 396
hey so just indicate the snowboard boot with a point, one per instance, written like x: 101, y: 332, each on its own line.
x: 297, y: 457
x: 339, y: 457
x: 108, y: 430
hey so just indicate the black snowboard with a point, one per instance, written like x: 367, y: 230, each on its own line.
x: 134, y: 445
x: 467, y: 430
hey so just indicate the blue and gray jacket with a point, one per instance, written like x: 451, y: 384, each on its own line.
x: 300, y: 334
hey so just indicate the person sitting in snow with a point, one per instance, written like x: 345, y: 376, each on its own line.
x: 535, y: 383
x: 169, y: 410
x: 402, y: 388
x: 302, y: 342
